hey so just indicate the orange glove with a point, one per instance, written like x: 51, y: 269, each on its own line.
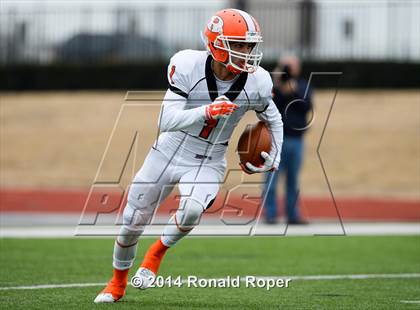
x: 222, y: 107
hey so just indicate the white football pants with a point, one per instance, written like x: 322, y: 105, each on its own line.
x: 198, y: 180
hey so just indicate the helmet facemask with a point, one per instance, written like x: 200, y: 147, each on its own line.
x: 250, y: 60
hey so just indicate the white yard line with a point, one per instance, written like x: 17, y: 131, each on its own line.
x: 351, y: 229
x: 243, y: 279
x: 349, y: 276
x: 42, y: 286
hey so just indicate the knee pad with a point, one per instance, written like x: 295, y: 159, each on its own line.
x: 136, y: 219
x: 189, y: 213
x: 128, y: 237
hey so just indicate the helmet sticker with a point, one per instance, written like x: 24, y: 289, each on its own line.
x: 215, y: 24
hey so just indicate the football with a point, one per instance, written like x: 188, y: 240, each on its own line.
x: 255, y: 139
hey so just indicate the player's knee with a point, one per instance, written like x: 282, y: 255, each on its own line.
x: 128, y: 237
x: 189, y: 213
x: 135, y: 219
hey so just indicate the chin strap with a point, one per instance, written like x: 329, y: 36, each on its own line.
x: 232, y: 69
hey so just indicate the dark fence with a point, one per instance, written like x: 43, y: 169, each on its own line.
x: 152, y: 76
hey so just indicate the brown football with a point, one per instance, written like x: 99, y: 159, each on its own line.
x: 254, y: 140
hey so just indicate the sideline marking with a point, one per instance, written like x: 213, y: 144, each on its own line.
x: 308, y: 277
x: 410, y: 301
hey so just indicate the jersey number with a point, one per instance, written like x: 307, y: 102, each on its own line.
x: 208, y: 128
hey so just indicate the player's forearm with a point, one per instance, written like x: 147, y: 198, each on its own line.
x: 272, y: 117
x: 174, y: 120
x: 173, y: 117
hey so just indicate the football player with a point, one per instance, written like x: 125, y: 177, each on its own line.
x: 209, y: 92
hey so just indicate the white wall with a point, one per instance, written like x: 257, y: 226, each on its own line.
x: 381, y: 30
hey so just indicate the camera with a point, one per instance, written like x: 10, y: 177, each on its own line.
x: 285, y: 74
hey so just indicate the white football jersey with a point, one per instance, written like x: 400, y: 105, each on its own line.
x: 192, y: 86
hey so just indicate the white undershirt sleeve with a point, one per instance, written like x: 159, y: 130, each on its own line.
x: 174, y: 117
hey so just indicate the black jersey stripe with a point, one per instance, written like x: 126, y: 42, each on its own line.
x: 233, y: 91
x: 177, y: 91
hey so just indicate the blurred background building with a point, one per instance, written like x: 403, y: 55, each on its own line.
x: 49, y: 44
x: 45, y: 32
x: 110, y: 33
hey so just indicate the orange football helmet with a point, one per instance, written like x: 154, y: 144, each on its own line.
x: 231, y: 25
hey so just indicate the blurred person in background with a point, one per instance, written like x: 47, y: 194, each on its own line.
x: 293, y: 98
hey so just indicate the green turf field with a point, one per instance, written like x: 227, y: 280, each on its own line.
x: 63, y: 261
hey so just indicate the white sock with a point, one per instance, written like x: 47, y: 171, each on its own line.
x: 125, y: 248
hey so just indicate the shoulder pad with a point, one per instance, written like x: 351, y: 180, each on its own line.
x: 264, y: 82
x: 181, y: 68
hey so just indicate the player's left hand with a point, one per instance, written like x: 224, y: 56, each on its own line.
x: 222, y: 107
x: 268, y: 165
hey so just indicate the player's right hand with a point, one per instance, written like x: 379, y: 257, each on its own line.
x: 245, y: 169
x: 268, y: 164
x: 222, y: 107
x: 249, y: 168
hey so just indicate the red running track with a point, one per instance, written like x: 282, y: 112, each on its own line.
x: 74, y: 201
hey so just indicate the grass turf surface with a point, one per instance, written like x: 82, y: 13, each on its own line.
x: 61, y: 261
